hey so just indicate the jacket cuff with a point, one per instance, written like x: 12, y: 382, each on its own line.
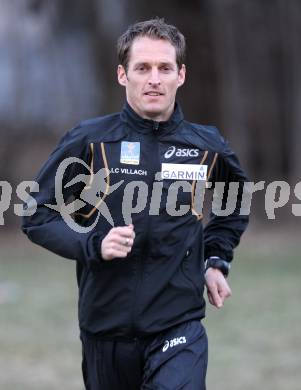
x: 94, y: 245
x: 217, y: 253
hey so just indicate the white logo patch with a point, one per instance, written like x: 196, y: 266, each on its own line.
x: 173, y: 343
x: 130, y: 153
x: 184, y: 171
x: 181, y: 152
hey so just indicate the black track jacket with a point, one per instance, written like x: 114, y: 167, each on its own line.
x: 161, y: 282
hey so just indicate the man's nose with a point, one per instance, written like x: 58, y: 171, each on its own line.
x: 154, y: 77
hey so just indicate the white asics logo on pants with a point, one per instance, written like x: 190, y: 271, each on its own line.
x: 173, y: 342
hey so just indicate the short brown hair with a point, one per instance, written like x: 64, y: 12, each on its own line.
x: 153, y: 28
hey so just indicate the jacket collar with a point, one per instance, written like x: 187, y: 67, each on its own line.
x: 137, y: 123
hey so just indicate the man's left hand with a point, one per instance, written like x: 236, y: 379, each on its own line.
x: 218, y: 288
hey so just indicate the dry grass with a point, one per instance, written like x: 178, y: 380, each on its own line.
x: 255, y: 340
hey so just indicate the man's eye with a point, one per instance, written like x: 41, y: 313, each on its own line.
x: 141, y: 68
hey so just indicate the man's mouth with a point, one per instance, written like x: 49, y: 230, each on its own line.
x: 153, y: 93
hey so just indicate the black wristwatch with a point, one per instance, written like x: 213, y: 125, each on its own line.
x: 216, y: 262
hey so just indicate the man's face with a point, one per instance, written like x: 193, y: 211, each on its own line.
x: 152, y: 79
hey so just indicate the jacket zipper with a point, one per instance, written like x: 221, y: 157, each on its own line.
x: 140, y: 269
x: 156, y: 126
x: 140, y: 262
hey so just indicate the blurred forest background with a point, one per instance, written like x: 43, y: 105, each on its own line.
x: 58, y: 66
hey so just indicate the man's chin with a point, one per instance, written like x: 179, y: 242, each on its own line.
x: 155, y: 111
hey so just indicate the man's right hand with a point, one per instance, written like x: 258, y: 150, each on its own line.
x: 118, y: 242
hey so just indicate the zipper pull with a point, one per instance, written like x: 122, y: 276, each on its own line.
x: 156, y: 126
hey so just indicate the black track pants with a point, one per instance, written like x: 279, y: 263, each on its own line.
x: 171, y: 360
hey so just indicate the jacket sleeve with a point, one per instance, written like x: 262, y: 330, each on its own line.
x: 46, y: 227
x: 222, y: 233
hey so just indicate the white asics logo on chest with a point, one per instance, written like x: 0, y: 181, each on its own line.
x: 173, y: 342
x: 180, y: 152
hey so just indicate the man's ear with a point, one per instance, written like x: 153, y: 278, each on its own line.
x: 121, y: 74
x: 181, y: 76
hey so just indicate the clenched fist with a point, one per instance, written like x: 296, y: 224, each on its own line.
x: 218, y: 289
x: 118, y: 242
